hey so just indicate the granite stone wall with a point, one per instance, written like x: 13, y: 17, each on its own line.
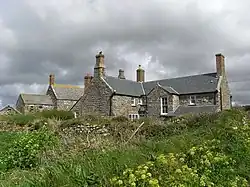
x: 121, y: 106
x: 201, y: 99
x: 52, y: 95
x: 65, y: 104
x: 96, y: 99
x: 225, y: 94
x: 154, y: 101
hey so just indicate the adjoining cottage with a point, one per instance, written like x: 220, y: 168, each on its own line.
x: 57, y: 96
x: 29, y: 103
x: 63, y: 96
x: 115, y: 96
x: 8, y: 110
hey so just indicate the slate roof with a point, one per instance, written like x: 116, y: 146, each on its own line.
x: 189, y: 84
x: 169, y: 89
x: 124, y: 86
x: 68, y: 92
x: 36, y: 99
x: 182, y: 85
x: 9, y: 107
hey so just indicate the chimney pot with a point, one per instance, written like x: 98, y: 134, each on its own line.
x: 140, y: 74
x: 220, y: 64
x: 87, y: 81
x: 51, y: 79
x: 121, y: 74
x: 99, y: 70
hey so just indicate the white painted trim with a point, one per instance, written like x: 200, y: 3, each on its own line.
x: 190, y: 100
x: 140, y: 101
x: 143, y: 89
x: 162, y: 106
x: 169, y: 87
x: 132, y: 118
x: 174, y: 90
x: 107, y: 84
x: 133, y: 104
x: 54, y: 91
x: 219, y: 83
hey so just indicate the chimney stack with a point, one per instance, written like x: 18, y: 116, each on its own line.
x: 140, y: 74
x: 220, y: 64
x: 87, y: 81
x: 51, y: 79
x: 121, y: 74
x: 99, y: 70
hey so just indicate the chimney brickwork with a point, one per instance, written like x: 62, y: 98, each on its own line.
x: 224, y: 94
x: 140, y: 74
x: 87, y: 81
x: 121, y: 74
x: 220, y: 64
x: 51, y: 79
x: 99, y: 70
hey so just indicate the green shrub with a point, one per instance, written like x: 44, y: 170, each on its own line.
x: 203, y: 165
x: 24, y: 151
x: 120, y: 119
x: 20, y: 119
x: 57, y: 114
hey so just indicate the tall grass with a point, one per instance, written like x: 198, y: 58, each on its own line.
x: 96, y: 166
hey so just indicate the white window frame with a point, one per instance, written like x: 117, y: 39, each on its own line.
x: 133, y: 116
x: 132, y: 101
x: 192, y: 97
x: 162, y: 106
x: 139, y: 101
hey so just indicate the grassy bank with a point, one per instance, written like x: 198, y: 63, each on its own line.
x: 209, y: 150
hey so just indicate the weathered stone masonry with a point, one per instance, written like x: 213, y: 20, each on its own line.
x: 96, y: 99
x: 121, y: 106
x: 154, y: 101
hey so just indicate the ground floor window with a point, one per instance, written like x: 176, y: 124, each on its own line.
x: 133, y: 116
x: 164, y: 105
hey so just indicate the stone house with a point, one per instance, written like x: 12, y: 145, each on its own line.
x: 8, y: 110
x: 29, y: 103
x: 57, y: 96
x: 63, y: 96
x: 115, y: 96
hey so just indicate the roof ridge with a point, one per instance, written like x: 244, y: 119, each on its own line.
x: 66, y: 86
x: 123, y: 79
x: 182, y: 77
x: 33, y: 94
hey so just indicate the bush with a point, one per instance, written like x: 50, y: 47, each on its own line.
x: 24, y: 151
x: 204, y: 165
x: 57, y: 114
x: 120, y: 119
x: 20, y: 119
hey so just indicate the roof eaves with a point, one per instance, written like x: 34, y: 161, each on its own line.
x: 174, y: 90
x: 142, y: 89
x: 54, y: 92
x: 169, y: 87
x: 107, y: 84
x: 10, y: 107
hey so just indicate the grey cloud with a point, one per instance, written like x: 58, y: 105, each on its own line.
x: 183, y: 38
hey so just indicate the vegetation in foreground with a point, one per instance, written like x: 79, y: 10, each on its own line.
x: 57, y: 150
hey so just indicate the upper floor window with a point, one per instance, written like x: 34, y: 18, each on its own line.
x: 192, y: 100
x: 140, y: 101
x: 164, y: 105
x: 132, y: 101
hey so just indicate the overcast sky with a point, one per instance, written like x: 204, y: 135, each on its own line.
x: 169, y: 38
